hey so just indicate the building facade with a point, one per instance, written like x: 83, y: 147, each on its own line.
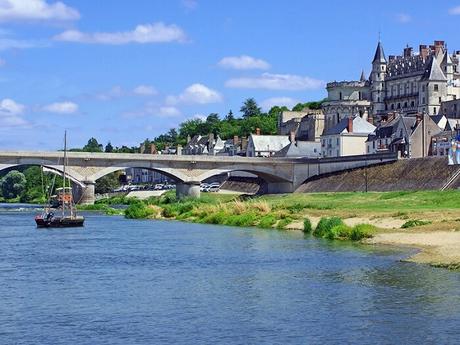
x: 410, y: 83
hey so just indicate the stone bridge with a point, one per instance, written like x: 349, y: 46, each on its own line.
x: 282, y: 175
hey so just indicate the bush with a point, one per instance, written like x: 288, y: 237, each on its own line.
x: 338, y: 232
x: 138, y: 210
x: 326, y: 224
x: 267, y: 222
x: 282, y: 223
x: 247, y: 219
x: 307, y: 227
x: 414, y: 222
x: 361, y: 231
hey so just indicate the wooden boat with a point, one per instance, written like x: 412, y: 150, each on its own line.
x: 64, y: 213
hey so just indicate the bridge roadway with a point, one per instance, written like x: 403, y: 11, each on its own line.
x: 282, y: 175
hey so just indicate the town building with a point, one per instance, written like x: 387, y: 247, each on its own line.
x: 265, y: 145
x: 451, y: 109
x: 409, y: 136
x: 307, y: 125
x: 203, y: 145
x: 346, y: 138
x: 410, y: 83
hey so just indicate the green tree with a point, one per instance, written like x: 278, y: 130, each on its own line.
x: 229, y: 117
x: 107, y: 183
x: 250, y: 108
x: 93, y: 146
x: 108, y: 147
x: 13, y: 184
x: 34, y: 188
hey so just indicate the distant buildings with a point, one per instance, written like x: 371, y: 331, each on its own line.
x: 346, y: 138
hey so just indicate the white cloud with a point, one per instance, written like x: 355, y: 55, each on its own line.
x: 147, y: 33
x: 9, y: 43
x: 403, y: 18
x: 61, y: 108
x: 10, y: 114
x: 268, y: 103
x: 455, y: 10
x: 33, y: 10
x: 243, y: 62
x: 145, y: 90
x: 196, y: 93
x: 275, y: 82
x: 169, y: 111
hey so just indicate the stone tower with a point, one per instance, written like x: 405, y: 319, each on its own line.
x: 379, y: 70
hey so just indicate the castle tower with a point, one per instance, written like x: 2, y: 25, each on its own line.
x: 379, y: 70
x: 447, y: 67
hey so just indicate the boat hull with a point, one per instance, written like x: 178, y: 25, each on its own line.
x: 59, y: 222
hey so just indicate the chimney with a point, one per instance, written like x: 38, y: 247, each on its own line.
x: 418, y: 119
x: 235, y: 140
x: 350, y: 125
x: 179, y: 150
x: 257, y: 131
x: 423, y: 51
x: 292, y: 137
x: 408, y: 52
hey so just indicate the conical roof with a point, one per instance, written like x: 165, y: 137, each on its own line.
x: 434, y: 71
x: 379, y: 54
x: 363, y: 77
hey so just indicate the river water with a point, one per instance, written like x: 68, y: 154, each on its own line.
x: 119, y: 281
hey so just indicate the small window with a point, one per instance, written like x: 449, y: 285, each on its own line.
x: 439, y: 100
x: 436, y: 87
x: 412, y: 103
x: 434, y: 111
x: 423, y: 88
x: 423, y: 100
x: 337, y: 142
x: 340, y: 95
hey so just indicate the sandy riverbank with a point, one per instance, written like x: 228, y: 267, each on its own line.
x: 437, y: 248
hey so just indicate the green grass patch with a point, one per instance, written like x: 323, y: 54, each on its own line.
x: 282, y: 223
x: 414, y: 222
x: 138, y: 210
x: 307, y: 227
x: 325, y: 225
x: 267, y: 221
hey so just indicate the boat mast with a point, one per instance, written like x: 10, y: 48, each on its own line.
x: 65, y: 162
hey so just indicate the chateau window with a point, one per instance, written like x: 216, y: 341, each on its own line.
x: 423, y: 89
x: 423, y: 100
x: 340, y: 95
x: 436, y: 87
x: 337, y: 141
x: 412, y: 103
x: 359, y: 95
x: 434, y: 111
x: 392, y: 107
x: 439, y: 100
x: 399, y: 105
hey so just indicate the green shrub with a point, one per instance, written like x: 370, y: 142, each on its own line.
x: 326, y: 224
x: 247, y: 219
x: 338, y: 232
x: 138, y: 210
x: 215, y: 218
x: 282, y: 223
x: 361, y: 231
x: 267, y: 221
x: 307, y: 227
x: 414, y: 222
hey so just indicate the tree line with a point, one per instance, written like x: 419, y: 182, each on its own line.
x: 252, y: 117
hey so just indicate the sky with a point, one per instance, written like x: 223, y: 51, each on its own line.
x: 123, y: 71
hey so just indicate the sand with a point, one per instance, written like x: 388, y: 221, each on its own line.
x: 437, y: 248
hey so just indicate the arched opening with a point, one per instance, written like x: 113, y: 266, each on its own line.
x: 33, y: 183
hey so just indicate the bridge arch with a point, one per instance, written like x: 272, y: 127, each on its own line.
x: 172, y: 173
x: 268, y: 174
x: 47, y: 164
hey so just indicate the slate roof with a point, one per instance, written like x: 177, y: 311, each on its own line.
x: 269, y: 142
x: 360, y: 126
x: 379, y: 54
x: 301, y: 149
x: 434, y: 71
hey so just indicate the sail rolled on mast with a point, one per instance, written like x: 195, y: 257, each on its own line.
x: 60, y: 173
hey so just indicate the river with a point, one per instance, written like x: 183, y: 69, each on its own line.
x: 119, y: 281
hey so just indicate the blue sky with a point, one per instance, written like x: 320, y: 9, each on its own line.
x: 128, y: 70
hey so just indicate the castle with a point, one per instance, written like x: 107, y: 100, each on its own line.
x: 408, y: 84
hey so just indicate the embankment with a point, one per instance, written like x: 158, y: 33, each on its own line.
x: 430, y: 173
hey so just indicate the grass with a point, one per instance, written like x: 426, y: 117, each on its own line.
x: 414, y: 222
x: 278, y: 211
